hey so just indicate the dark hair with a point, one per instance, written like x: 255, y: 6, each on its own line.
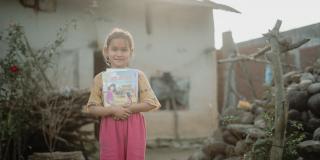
x: 119, y: 33
x: 114, y: 87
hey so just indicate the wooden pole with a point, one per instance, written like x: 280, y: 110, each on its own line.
x: 229, y: 50
x: 281, y: 107
x: 175, y: 116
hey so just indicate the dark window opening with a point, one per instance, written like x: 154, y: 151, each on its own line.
x: 40, y: 5
x: 173, y: 93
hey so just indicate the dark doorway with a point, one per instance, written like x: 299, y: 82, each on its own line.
x: 99, y: 63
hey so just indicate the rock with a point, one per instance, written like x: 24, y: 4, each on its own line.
x: 303, y: 85
x: 247, y: 118
x: 316, y: 65
x: 229, y: 138
x: 217, y: 134
x: 242, y: 147
x: 296, y: 78
x: 260, y: 122
x: 316, y: 71
x: 234, y: 158
x: 219, y: 157
x: 242, y: 130
x: 318, y: 79
x: 289, y: 77
x: 199, y: 155
x: 308, y: 135
x: 312, y: 125
x: 258, y: 110
x: 294, y: 115
x: 314, y: 88
x: 305, y: 116
x: 309, y: 149
x: 230, y: 111
x: 230, y: 151
x: 314, y: 104
x: 261, y: 147
x: 238, y: 116
x: 316, y: 134
x: 298, y: 100
x: 215, y: 148
x: 293, y: 87
x: 311, y: 115
x: 307, y: 76
x: 308, y: 69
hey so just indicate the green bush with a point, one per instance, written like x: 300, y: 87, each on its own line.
x: 23, y: 83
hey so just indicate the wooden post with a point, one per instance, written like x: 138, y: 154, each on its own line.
x: 175, y: 116
x: 229, y: 50
x: 281, y: 107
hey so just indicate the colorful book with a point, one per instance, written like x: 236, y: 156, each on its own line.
x: 120, y: 86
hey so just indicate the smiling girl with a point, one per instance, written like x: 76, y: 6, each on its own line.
x: 122, y: 128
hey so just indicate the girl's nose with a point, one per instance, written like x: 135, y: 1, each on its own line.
x: 120, y: 53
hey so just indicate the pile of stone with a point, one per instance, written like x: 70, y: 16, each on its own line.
x: 304, y: 106
x: 239, y: 129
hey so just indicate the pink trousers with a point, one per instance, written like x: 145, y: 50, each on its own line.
x: 123, y: 139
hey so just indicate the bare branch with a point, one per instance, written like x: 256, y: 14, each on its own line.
x: 276, y: 28
x: 261, y: 52
x: 295, y: 45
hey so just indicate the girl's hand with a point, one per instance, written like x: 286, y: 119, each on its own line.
x: 121, y: 113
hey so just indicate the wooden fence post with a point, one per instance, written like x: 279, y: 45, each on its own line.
x: 229, y: 51
x: 281, y: 105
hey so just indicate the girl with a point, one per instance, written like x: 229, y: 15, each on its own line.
x: 111, y: 90
x: 122, y: 129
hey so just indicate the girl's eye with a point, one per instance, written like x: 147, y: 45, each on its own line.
x: 124, y: 50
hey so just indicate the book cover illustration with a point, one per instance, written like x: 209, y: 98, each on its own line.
x: 120, y: 86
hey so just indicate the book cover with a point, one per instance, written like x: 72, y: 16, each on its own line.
x: 120, y: 86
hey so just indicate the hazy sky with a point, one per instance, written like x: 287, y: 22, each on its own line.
x: 257, y: 16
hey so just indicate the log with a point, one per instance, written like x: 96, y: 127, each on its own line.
x: 229, y: 49
x: 281, y: 105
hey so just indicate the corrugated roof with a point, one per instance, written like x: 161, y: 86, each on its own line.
x: 202, y: 3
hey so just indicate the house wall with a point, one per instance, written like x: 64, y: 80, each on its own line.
x: 180, y: 41
x: 41, y: 28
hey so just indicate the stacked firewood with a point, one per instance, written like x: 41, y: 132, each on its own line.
x: 77, y: 132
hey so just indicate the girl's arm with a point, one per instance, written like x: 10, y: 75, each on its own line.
x: 147, y: 99
x: 101, y: 111
x: 140, y: 107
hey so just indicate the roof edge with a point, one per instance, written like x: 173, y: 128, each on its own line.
x: 203, y: 3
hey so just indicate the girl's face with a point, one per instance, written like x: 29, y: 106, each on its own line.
x: 119, y: 53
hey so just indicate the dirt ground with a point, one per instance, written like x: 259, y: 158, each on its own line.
x: 169, y: 153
